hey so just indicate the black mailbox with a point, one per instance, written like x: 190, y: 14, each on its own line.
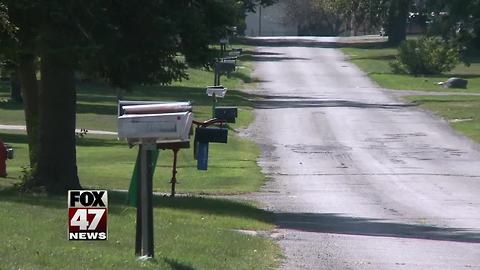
x: 211, y: 135
x: 226, y: 113
x: 225, y: 67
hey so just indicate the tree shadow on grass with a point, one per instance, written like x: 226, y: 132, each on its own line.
x: 340, y: 224
x: 13, y: 138
x: 117, y: 204
x: 175, y: 264
x: 95, y: 104
x: 390, y: 57
x: 243, y: 77
x: 97, y: 108
x: 195, y: 94
x: 11, y: 105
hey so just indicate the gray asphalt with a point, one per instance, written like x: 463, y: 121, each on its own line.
x: 358, y: 179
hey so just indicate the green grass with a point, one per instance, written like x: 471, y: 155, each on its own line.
x: 374, y: 61
x: 190, y: 233
x: 104, y: 162
x: 461, y: 111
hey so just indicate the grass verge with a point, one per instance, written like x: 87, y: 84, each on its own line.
x: 375, y: 62
x: 104, y: 162
x: 461, y: 111
x: 190, y: 233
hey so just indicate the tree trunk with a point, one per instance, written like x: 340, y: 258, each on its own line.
x: 57, y: 163
x: 15, y: 92
x: 28, y: 81
x: 353, y: 27
x: 397, y: 21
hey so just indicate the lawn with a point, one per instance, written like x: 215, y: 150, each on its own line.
x: 375, y: 62
x: 190, y: 232
x: 105, y: 162
x: 461, y: 111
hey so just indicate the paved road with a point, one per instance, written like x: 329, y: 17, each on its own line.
x: 360, y: 180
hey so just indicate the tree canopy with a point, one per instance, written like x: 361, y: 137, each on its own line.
x: 457, y: 20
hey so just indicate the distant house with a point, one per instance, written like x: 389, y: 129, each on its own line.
x: 269, y: 21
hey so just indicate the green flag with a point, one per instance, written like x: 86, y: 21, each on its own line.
x: 132, y: 190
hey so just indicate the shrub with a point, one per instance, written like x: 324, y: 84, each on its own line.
x: 427, y: 55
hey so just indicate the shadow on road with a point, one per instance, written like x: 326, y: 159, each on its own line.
x: 276, y: 58
x: 339, y: 224
x: 327, y: 103
x: 264, y: 56
x: 316, y: 43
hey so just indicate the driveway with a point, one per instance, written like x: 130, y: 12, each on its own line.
x: 358, y: 179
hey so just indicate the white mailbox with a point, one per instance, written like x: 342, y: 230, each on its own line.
x: 148, y: 120
x: 218, y: 91
x: 230, y: 60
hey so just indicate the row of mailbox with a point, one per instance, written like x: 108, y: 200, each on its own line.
x: 171, y: 124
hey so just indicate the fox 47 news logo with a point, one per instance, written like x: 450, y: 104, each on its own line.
x: 87, y: 214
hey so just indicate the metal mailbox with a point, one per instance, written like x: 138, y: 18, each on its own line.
x: 227, y: 66
x: 141, y: 120
x: 211, y: 135
x: 204, y: 136
x: 218, y: 91
x: 228, y: 114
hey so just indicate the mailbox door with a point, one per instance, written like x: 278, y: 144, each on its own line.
x: 169, y: 127
x: 210, y: 134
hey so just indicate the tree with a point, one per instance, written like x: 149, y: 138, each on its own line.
x: 396, y: 20
x: 251, y: 5
x: 391, y: 14
x: 17, y: 46
x: 312, y: 19
x: 460, y: 20
x: 121, y: 41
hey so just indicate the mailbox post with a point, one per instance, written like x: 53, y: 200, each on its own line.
x: 144, y: 233
x: 152, y: 125
x: 224, y: 66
